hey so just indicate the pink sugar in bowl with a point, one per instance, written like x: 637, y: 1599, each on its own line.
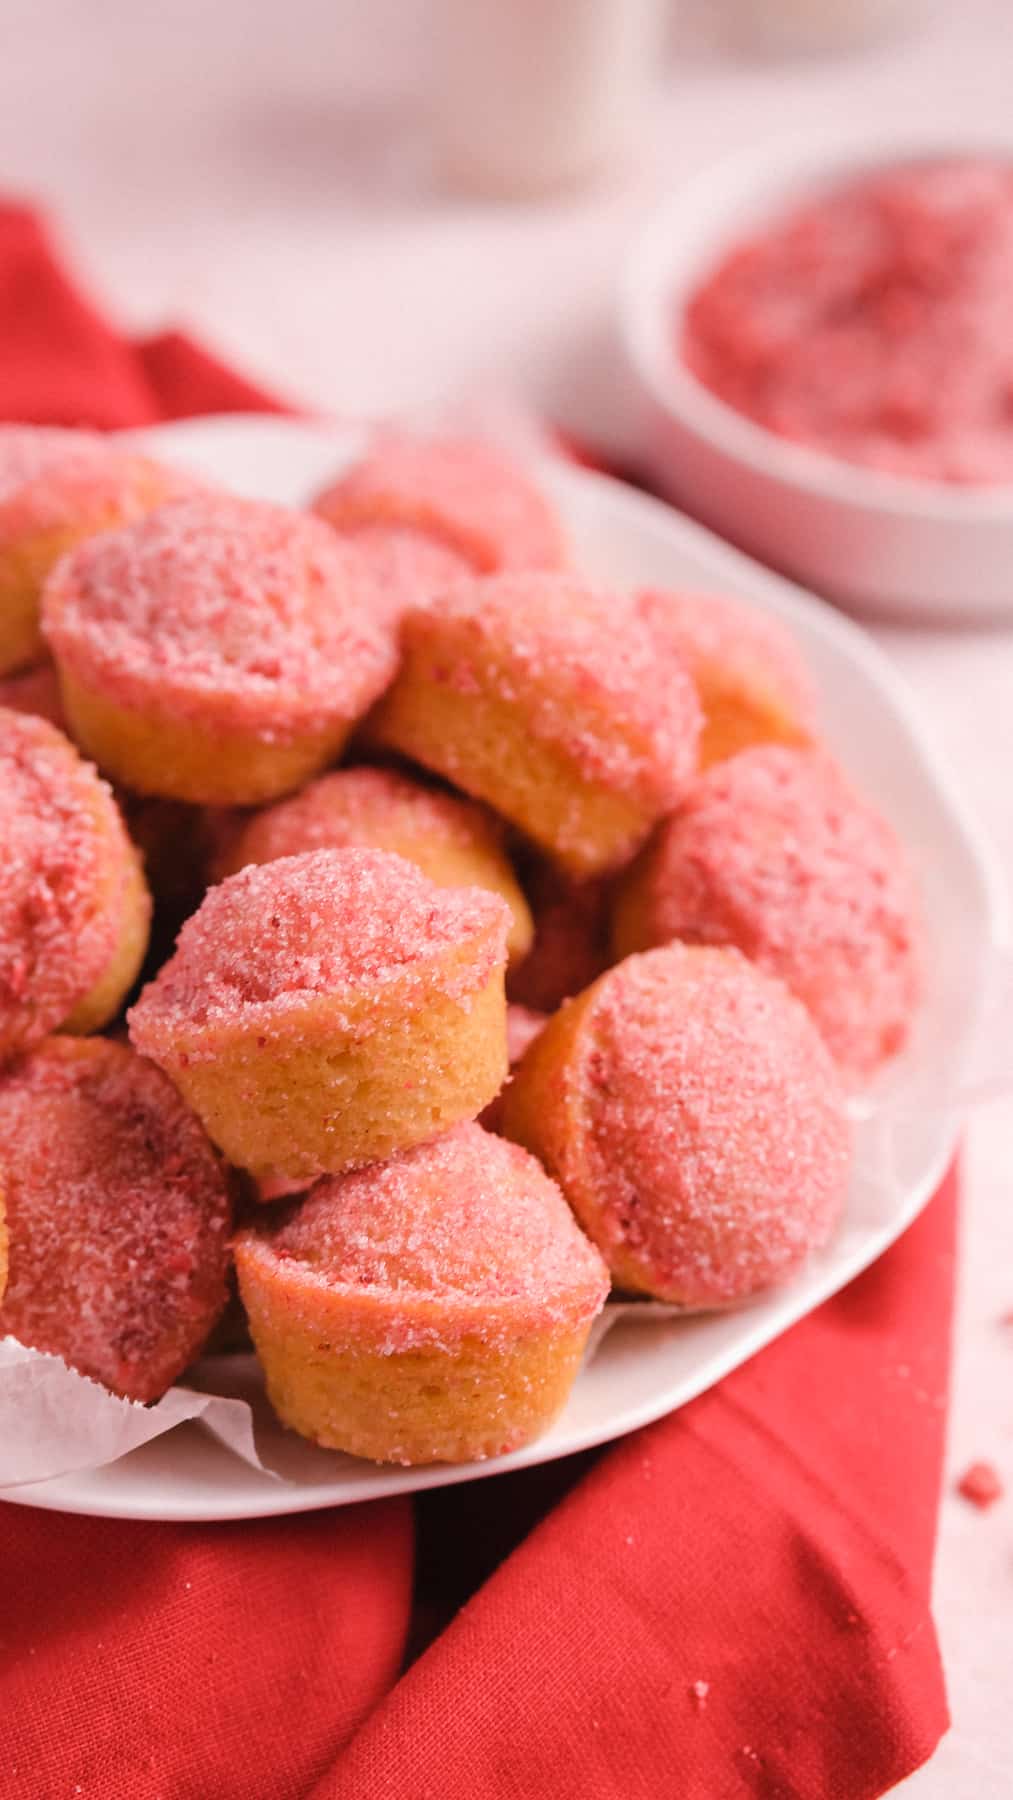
x: 820, y: 333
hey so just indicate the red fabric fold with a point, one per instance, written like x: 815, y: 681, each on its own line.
x: 773, y: 1541
x: 731, y: 1603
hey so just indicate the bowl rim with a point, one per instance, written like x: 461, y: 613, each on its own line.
x: 786, y: 165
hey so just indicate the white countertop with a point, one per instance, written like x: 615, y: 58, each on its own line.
x: 261, y: 175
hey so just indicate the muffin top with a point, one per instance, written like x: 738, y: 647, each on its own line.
x: 468, y: 1219
x: 255, y: 607
x: 344, y: 924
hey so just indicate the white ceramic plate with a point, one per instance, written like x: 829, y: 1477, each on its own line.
x: 644, y: 1368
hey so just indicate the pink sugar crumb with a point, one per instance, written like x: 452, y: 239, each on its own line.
x: 327, y: 922
x: 870, y: 324
x: 699, y: 1691
x: 725, y: 638
x: 213, y: 602
x: 715, y: 1142
x: 60, y: 832
x: 774, y: 852
x: 118, y: 1211
x: 468, y: 1218
x: 981, y: 1484
x: 583, y: 670
x: 460, y: 491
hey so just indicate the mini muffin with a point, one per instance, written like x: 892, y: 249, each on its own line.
x: 118, y: 1215
x: 74, y: 909
x: 328, y: 1009
x: 751, y: 677
x: 460, y: 493
x: 453, y: 841
x: 35, y: 690
x: 56, y: 488
x: 694, y: 1121
x: 774, y: 851
x: 551, y: 701
x: 218, y: 651
x: 429, y: 1309
x: 571, y: 939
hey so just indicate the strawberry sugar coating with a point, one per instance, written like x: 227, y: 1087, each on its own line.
x: 871, y: 322
x: 468, y: 1220
x: 327, y: 922
x: 345, y: 808
x: 58, y: 826
x: 119, y: 1215
x: 713, y: 1137
x: 774, y: 851
x: 214, y: 601
x: 587, y: 674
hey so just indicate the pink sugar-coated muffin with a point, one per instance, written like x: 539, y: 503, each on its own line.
x: 694, y: 1121
x: 56, y: 488
x: 433, y: 1308
x: 773, y: 851
x: 550, y: 700
x: 751, y: 677
x: 218, y: 651
x: 325, y: 1010
x: 74, y: 908
x: 118, y: 1213
x: 407, y: 567
x: 522, y: 1027
x: 37, y: 691
x: 453, y: 841
x: 460, y: 492
x: 571, y: 944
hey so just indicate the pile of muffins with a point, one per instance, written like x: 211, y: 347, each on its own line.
x: 529, y: 942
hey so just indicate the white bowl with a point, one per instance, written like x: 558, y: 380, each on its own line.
x: 877, y: 542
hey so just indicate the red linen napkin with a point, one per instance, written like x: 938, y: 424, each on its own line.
x: 733, y: 1602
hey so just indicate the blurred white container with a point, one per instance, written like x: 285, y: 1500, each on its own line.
x: 531, y: 95
x: 821, y: 25
x: 878, y: 542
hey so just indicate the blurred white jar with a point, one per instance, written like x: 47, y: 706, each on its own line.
x: 821, y: 25
x: 531, y: 95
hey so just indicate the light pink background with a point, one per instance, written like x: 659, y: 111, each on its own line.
x: 262, y: 174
